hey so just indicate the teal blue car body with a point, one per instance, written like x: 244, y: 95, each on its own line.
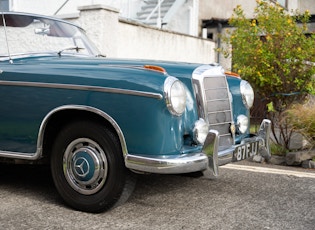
x: 87, y: 115
x: 142, y: 119
x: 121, y: 74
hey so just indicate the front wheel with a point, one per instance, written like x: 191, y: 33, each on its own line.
x: 88, y: 168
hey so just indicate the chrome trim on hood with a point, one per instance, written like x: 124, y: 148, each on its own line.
x: 82, y: 87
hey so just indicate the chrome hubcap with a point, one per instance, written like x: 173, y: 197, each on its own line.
x: 85, y: 166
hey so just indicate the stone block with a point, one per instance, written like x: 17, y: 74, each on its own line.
x: 308, y: 164
x: 296, y: 158
x: 257, y: 159
x: 277, y: 160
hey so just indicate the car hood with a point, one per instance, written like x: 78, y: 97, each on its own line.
x: 117, y: 73
x: 178, y: 69
x: 172, y: 68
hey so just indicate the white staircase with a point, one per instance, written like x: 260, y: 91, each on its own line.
x: 158, y: 12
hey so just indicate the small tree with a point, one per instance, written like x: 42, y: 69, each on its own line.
x: 275, y: 53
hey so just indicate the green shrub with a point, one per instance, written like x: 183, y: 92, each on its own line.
x: 278, y: 150
x: 275, y: 53
x: 302, y: 120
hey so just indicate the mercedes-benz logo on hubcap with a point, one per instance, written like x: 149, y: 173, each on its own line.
x: 82, y: 166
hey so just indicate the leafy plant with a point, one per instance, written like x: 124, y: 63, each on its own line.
x: 302, y: 120
x: 274, y: 52
x: 278, y: 150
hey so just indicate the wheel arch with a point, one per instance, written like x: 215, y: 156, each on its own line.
x: 57, y: 118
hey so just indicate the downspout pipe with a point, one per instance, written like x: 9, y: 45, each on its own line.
x: 219, y: 30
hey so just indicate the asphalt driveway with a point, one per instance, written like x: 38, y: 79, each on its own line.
x: 239, y: 199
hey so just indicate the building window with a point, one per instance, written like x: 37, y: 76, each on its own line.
x: 4, y: 5
x: 283, y: 3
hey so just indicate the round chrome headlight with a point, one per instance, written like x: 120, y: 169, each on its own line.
x: 175, y: 96
x: 242, y: 123
x: 247, y: 94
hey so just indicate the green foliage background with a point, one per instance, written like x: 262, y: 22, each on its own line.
x: 275, y: 52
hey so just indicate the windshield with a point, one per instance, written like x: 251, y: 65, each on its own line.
x: 22, y: 34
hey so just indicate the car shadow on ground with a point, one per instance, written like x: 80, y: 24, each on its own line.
x: 36, y: 181
x: 32, y: 180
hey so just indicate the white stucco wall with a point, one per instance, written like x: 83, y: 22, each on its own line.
x: 116, y: 37
x: 119, y: 38
x: 186, y: 19
x: 224, y: 8
x: 307, y: 5
x: 143, y: 42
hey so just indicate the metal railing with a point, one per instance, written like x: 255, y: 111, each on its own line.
x: 158, y: 9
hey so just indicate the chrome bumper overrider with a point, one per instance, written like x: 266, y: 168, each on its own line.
x: 207, y: 161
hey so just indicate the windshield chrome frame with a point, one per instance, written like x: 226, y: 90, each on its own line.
x: 5, y: 35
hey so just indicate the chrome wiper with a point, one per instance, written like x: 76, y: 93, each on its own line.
x: 76, y: 48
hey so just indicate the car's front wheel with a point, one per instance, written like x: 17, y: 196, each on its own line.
x: 88, y: 168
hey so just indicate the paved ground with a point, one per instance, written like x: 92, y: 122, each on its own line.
x: 239, y: 199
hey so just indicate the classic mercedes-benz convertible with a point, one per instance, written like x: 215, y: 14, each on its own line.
x: 98, y: 121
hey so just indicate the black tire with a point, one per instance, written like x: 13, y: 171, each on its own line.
x: 88, y: 168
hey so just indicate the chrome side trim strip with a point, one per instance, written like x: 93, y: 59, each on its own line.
x: 82, y: 87
x: 23, y: 156
x: 40, y: 139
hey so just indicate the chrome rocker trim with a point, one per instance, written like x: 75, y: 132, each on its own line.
x: 207, y: 161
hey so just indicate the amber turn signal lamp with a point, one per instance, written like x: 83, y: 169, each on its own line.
x: 155, y: 68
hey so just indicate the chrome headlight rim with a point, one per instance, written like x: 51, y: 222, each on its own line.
x: 175, y: 96
x: 247, y: 93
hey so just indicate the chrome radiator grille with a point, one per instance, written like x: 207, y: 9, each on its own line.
x: 214, y: 105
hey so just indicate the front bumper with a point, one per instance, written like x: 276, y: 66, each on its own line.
x: 207, y: 160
